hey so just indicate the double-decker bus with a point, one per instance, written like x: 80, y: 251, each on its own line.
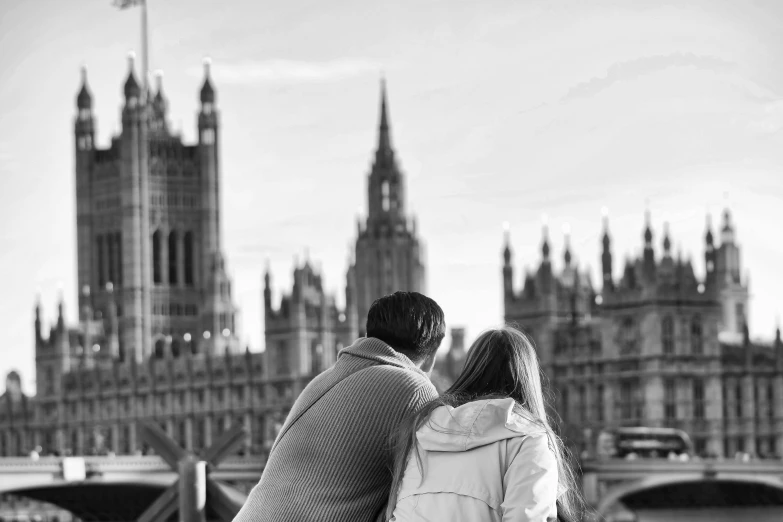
x: 620, y: 443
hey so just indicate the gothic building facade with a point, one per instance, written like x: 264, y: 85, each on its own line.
x: 156, y: 340
x: 148, y: 228
x: 657, y: 347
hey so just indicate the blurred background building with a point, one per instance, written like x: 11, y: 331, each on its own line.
x: 157, y: 336
x: 656, y: 348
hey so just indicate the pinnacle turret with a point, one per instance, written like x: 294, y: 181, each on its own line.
x: 545, y: 243
x: 648, y: 235
x: 667, y: 244
x: 507, y: 244
x: 132, y: 89
x: 84, y: 98
x: 207, y: 91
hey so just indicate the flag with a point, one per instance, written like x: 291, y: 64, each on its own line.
x: 125, y: 4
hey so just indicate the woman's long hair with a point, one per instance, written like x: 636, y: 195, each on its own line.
x: 501, y: 362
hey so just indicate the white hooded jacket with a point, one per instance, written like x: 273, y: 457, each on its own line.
x: 482, y: 462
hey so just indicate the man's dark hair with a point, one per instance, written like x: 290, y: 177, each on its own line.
x: 411, y: 323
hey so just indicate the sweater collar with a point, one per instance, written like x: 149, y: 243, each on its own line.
x: 378, y: 351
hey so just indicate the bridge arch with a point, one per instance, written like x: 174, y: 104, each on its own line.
x: 615, y: 495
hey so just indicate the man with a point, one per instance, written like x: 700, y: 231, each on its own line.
x: 331, y: 460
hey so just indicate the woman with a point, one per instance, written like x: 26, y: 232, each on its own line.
x: 485, y: 451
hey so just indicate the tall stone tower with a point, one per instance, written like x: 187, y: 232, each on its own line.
x: 148, y: 222
x: 388, y: 252
x: 724, y: 274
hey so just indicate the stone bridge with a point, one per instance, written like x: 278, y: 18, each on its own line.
x: 113, y: 488
x: 121, y: 487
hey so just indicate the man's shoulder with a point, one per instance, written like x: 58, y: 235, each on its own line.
x: 383, y: 383
x: 395, y: 377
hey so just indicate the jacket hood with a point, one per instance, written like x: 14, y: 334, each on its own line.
x: 475, y: 424
x: 379, y: 352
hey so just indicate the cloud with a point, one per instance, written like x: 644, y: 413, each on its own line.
x: 632, y: 69
x: 772, y: 122
x: 289, y: 71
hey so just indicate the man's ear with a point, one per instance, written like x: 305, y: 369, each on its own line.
x: 428, y: 363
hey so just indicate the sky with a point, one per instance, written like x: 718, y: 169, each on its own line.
x: 501, y: 111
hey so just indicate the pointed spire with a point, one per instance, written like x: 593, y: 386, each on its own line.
x: 708, y: 238
x: 567, y: 241
x: 84, y: 98
x: 507, y: 243
x: 207, y: 91
x: 648, y: 235
x: 384, y: 132
x: 606, y: 255
x: 60, y: 312
x: 667, y: 244
x: 132, y: 89
x: 606, y: 240
x: 727, y: 232
x: 38, y: 316
x: 545, y: 236
x: 727, y: 219
x: 777, y: 330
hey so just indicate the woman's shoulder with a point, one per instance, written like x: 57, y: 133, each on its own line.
x: 522, y: 420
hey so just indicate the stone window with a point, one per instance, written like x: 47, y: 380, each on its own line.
x: 667, y: 335
x: 697, y: 341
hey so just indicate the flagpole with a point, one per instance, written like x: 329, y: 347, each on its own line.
x: 146, y: 238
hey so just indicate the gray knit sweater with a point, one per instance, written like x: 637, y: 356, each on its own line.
x: 331, y: 460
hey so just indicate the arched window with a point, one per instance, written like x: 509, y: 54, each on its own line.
x: 599, y: 403
x: 101, y: 274
x: 110, y: 247
x: 182, y: 434
x: 118, y: 252
x: 175, y: 351
x: 160, y: 347
x: 387, y: 272
x: 670, y: 400
x: 189, y: 258
x: 173, y: 258
x: 667, y: 335
x: 696, y: 335
x: 628, y: 337
x: 582, y: 404
x: 698, y: 399
x: 157, y: 269
x: 385, y: 196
